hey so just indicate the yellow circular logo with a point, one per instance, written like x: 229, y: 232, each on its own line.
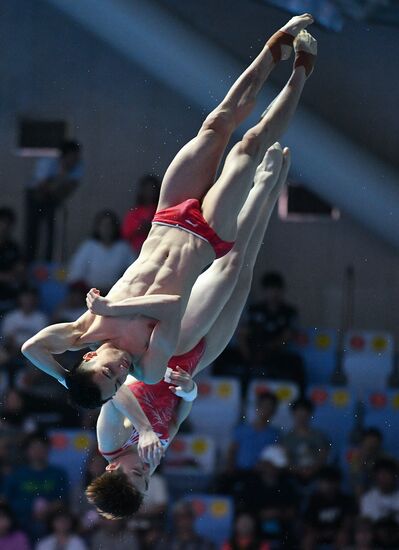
x: 322, y: 341
x: 60, y: 274
x: 395, y: 401
x: 224, y: 389
x: 284, y: 393
x: 340, y: 398
x: 199, y: 446
x: 219, y: 508
x: 81, y: 442
x: 379, y: 343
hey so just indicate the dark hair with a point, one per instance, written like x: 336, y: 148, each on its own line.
x: 40, y: 436
x: 184, y: 507
x: 28, y: 289
x: 273, y: 279
x: 387, y: 523
x: 386, y: 464
x: 78, y: 286
x: 69, y: 146
x: 156, y: 185
x: 373, y: 432
x: 303, y: 403
x: 330, y: 473
x: 114, y: 496
x: 62, y: 512
x: 83, y: 392
x: 257, y: 531
x: 267, y: 395
x: 5, y: 510
x: 7, y: 214
x: 13, y: 417
x: 116, y: 226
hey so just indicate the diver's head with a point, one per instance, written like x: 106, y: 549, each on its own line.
x: 118, y: 493
x: 98, y: 376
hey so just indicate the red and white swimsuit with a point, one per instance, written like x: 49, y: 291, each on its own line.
x: 158, y: 402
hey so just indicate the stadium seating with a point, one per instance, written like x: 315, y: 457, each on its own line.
x: 286, y: 392
x: 368, y: 360
x: 318, y: 349
x: 381, y: 410
x: 69, y: 449
x: 189, y: 453
x: 334, y: 414
x: 49, y: 279
x: 217, y: 408
x: 189, y: 464
x: 214, y: 516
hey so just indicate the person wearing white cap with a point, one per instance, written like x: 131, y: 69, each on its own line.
x: 269, y: 493
x: 276, y: 455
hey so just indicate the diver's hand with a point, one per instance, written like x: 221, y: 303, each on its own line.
x: 181, y: 380
x: 97, y: 304
x: 149, y: 447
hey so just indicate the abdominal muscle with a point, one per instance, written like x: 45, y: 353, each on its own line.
x: 169, y: 263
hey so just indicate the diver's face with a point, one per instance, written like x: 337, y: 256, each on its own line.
x: 110, y: 367
x: 137, y: 471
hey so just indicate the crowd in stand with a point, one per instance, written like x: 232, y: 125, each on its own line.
x: 288, y: 490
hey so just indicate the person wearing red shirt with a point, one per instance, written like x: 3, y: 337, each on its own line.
x: 137, y: 222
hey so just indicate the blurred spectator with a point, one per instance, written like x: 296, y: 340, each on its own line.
x: 89, y: 418
x: 95, y: 466
x: 363, y: 536
x: 53, y: 181
x: 386, y: 534
x: 37, y: 488
x: 8, y: 364
x: 183, y: 536
x: 43, y: 392
x: 363, y: 458
x: 114, y: 534
x: 11, y: 264
x: 15, y: 422
x: 137, y: 222
x: 382, y: 500
x: 14, y: 415
x: 74, y: 304
x: 63, y: 534
x: 24, y: 321
x: 10, y: 456
x: 269, y: 329
x: 307, y: 447
x: 156, y: 499
x: 270, y: 495
x: 101, y: 259
x: 154, y: 537
x: 250, y: 438
x: 11, y: 538
x: 245, y: 536
x: 329, y: 513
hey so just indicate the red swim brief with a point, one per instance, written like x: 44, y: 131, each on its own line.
x: 188, y: 216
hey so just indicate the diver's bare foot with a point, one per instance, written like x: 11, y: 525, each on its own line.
x: 280, y: 44
x: 305, y: 46
x: 268, y: 170
x: 296, y: 24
